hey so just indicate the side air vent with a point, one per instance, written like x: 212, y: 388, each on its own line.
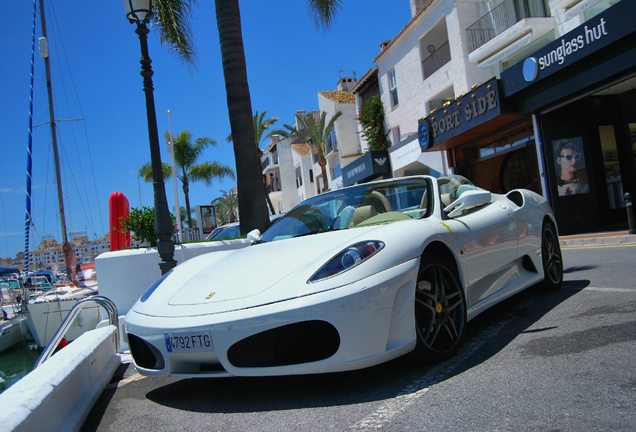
x: 528, y: 264
x: 516, y: 197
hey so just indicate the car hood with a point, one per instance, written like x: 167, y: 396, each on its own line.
x: 262, y: 274
x: 248, y: 272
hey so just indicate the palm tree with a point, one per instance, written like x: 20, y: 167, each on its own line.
x: 261, y: 124
x: 226, y: 207
x: 182, y: 213
x: 315, y: 132
x: 145, y: 172
x: 188, y: 170
x: 173, y: 17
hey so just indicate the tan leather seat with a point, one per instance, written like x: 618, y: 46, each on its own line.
x: 447, y: 199
x: 361, y: 214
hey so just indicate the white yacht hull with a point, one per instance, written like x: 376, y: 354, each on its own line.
x: 10, y: 333
x: 44, y: 318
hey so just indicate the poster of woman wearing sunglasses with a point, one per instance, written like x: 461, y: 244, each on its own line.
x: 570, y: 166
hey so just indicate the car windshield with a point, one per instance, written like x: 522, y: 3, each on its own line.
x: 356, y: 206
x: 227, y: 232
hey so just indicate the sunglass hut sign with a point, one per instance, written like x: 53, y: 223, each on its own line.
x: 559, y: 55
x: 472, y: 109
x: 592, y: 36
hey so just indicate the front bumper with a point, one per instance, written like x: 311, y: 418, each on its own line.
x: 351, y: 327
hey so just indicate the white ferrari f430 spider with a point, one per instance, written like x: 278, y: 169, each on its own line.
x: 348, y: 279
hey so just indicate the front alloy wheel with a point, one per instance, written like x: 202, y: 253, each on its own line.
x: 440, y: 310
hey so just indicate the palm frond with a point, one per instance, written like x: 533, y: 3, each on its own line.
x: 323, y: 12
x: 173, y: 18
x: 145, y: 172
x: 207, y: 171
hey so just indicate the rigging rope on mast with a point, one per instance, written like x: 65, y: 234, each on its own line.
x: 62, y: 56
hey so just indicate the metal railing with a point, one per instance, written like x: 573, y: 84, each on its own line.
x: 436, y: 60
x: 271, y: 159
x: 331, y: 145
x: 113, y: 319
x: 187, y: 235
x: 501, y: 18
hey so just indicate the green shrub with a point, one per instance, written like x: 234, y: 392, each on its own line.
x: 372, y: 119
x: 142, y: 224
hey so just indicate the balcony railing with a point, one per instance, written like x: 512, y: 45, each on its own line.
x: 436, y: 60
x: 271, y: 159
x: 501, y: 18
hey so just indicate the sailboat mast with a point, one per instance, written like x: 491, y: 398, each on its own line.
x: 29, y: 165
x: 56, y: 157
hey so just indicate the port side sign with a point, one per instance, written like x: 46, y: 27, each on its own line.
x: 590, y: 37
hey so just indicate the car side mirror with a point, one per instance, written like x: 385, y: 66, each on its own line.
x: 253, y: 235
x: 467, y: 200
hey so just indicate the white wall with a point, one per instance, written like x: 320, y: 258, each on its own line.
x: 415, y: 92
x: 60, y: 393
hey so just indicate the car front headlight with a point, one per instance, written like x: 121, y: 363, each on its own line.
x: 347, y: 259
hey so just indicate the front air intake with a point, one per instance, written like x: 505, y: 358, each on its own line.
x: 145, y: 355
x: 291, y: 344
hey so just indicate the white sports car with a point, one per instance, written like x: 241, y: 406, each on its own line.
x: 348, y: 279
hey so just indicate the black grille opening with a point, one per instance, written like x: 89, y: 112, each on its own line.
x: 296, y: 343
x: 144, y: 354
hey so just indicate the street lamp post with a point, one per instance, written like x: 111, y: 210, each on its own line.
x: 140, y: 12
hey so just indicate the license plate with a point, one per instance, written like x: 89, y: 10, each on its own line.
x: 189, y: 342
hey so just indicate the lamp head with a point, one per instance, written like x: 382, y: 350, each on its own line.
x: 138, y: 11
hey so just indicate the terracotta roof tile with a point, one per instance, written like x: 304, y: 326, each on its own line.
x: 339, y: 96
x: 371, y: 73
x: 302, y: 149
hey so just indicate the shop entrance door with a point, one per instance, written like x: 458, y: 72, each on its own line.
x: 618, y: 160
x: 611, y: 167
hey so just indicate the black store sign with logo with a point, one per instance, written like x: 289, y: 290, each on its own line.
x: 476, y: 107
x: 372, y: 163
x: 590, y: 37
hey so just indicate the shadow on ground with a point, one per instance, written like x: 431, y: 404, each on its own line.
x: 484, y: 337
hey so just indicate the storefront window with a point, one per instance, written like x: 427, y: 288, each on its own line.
x: 502, y: 145
x: 611, y: 166
x: 516, y: 171
x: 570, y: 166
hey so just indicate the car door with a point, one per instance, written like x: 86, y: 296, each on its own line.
x: 489, y: 249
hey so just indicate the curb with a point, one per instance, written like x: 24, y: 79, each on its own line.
x: 589, y: 240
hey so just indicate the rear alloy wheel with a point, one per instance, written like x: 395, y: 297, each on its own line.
x: 440, y: 310
x: 551, y: 258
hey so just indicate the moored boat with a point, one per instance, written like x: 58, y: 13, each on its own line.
x: 45, y: 314
x: 10, y: 332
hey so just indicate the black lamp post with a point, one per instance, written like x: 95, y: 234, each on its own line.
x: 140, y: 12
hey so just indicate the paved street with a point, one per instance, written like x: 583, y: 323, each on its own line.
x: 540, y: 361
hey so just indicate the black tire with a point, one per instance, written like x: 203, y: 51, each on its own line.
x: 551, y: 258
x: 440, y: 310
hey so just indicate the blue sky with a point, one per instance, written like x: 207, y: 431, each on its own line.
x: 95, y: 57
